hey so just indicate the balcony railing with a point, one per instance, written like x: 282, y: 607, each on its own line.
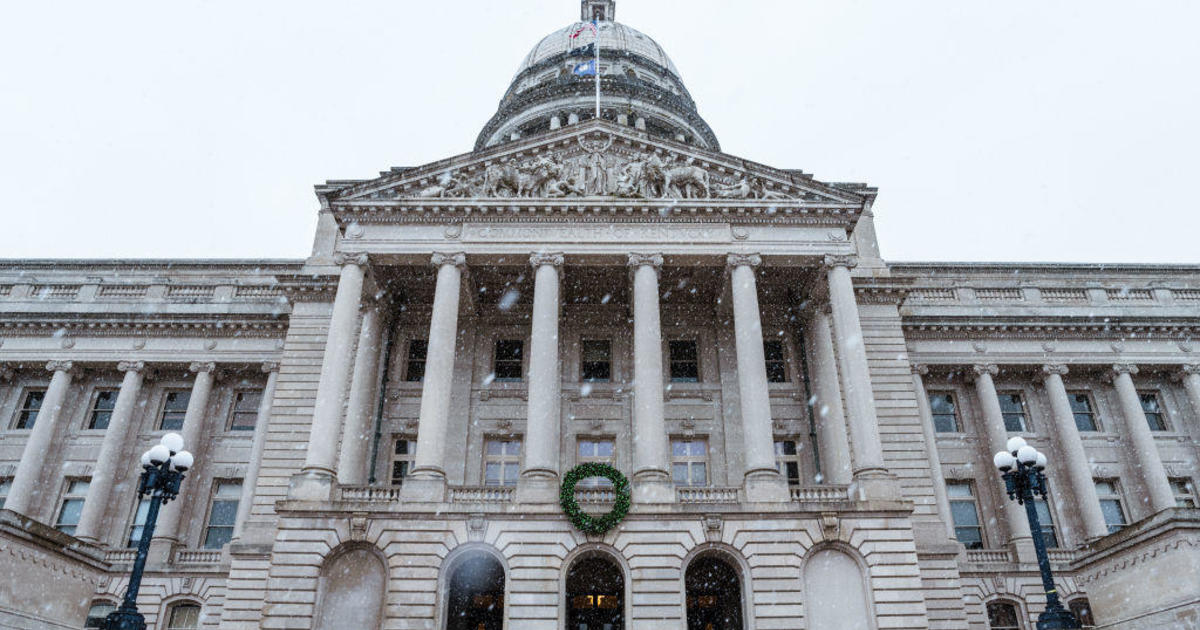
x: 482, y: 494
x: 198, y: 556
x: 707, y: 495
x: 988, y: 556
x: 821, y: 494
x: 371, y: 494
x: 600, y: 494
x: 597, y: 495
x: 1062, y: 556
x: 120, y: 556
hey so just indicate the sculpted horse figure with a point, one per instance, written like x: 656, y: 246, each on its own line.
x: 686, y: 181
x: 509, y: 180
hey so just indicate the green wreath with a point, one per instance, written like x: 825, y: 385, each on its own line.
x: 583, y: 521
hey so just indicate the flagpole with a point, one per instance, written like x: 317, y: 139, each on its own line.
x: 597, y: 47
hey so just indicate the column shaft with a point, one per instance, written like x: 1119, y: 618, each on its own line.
x: 935, y: 458
x: 336, y: 366
x: 1191, y: 382
x: 22, y: 495
x: 194, y: 420
x: 652, y: 483
x: 831, y: 419
x: 439, y: 377
x: 995, y: 440
x: 866, y: 447
x: 257, y: 445
x: 1159, y: 495
x: 1075, y: 463
x: 539, y: 477
x: 357, y: 432
x: 109, y: 464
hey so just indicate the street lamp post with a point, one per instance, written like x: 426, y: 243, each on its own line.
x: 162, y: 473
x: 1021, y: 467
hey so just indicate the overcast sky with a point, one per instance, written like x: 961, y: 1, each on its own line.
x: 1017, y: 131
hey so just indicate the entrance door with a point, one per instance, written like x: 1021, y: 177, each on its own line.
x: 476, y: 598
x: 714, y: 595
x: 595, y: 595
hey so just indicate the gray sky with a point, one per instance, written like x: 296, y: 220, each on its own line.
x: 1018, y: 131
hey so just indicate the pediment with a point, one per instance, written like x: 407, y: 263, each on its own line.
x: 594, y: 163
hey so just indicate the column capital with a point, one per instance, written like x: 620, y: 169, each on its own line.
x: 738, y: 260
x: 1191, y: 368
x: 202, y: 366
x: 131, y: 366
x: 1125, y: 368
x: 441, y: 259
x: 537, y: 259
x: 919, y: 369
x: 1055, y: 368
x: 638, y: 260
x: 349, y: 258
x: 991, y: 369
x: 60, y: 366
x: 6, y: 373
x: 849, y: 261
x: 270, y: 366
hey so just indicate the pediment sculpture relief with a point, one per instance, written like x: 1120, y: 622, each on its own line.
x: 598, y: 172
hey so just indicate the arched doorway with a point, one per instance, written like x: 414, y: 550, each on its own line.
x: 353, y: 587
x: 475, y: 598
x: 714, y: 595
x: 595, y: 595
x: 834, y: 593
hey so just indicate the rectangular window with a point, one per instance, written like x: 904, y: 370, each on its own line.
x: 404, y: 455
x: 1154, y: 411
x: 945, y: 412
x: 31, y: 404
x: 501, y: 462
x: 1012, y: 407
x: 102, y: 409
x: 1111, y: 506
x: 174, y: 409
x: 245, y: 410
x: 1046, y: 521
x: 184, y: 617
x: 599, y: 450
x: 138, y: 524
x: 414, y: 367
x: 5, y: 488
x: 72, y: 506
x: 97, y: 615
x: 1085, y: 414
x: 596, y: 355
x: 965, y: 513
x: 776, y: 364
x: 787, y: 460
x: 684, y: 360
x: 223, y: 514
x: 507, y: 363
x: 689, y: 462
x: 1185, y: 493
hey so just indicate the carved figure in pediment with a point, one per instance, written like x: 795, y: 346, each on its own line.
x: 686, y: 182
x: 739, y: 190
x: 519, y: 180
x: 448, y: 186
x: 597, y: 175
x: 564, y: 187
x: 758, y: 190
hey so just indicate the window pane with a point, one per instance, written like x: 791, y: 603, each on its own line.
x: 1002, y: 616
x: 775, y: 363
x: 698, y: 447
x: 184, y: 617
x: 1154, y: 412
x: 604, y: 448
x: 945, y: 416
x: 174, y: 410
x: 1113, y: 514
x: 678, y: 448
x: 1085, y: 417
x: 507, y: 363
x: 1083, y: 612
x: 139, y: 523
x: 97, y: 614
x: 597, y: 360
x: 1185, y: 496
x: 5, y: 487
x: 418, y: 350
x: 964, y: 513
x: 491, y: 474
x: 699, y: 474
x: 29, y: 409
x: 1046, y: 520
x: 685, y: 367
x: 1013, y: 410
x: 679, y: 473
x: 102, y: 409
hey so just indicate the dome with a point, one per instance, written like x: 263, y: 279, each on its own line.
x: 639, y: 85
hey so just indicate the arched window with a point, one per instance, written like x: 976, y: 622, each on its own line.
x: 1082, y: 609
x: 183, y: 616
x: 352, y: 590
x: 1003, y: 616
x: 714, y: 595
x: 98, y: 613
x: 475, y: 600
x: 835, y: 593
x: 595, y: 594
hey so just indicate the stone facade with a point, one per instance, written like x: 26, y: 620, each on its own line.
x: 405, y: 401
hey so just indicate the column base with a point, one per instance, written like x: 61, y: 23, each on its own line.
x: 424, y: 489
x: 541, y: 488
x: 652, y: 486
x: 311, y: 485
x: 766, y: 486
x: 875, y: 485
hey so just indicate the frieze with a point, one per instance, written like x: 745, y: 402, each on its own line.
x: 601, y: 233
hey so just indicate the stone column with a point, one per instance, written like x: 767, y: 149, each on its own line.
x: 26, y: 480
x: 995, y: 439
x: 866, y: 449
x: 831, y: 427
x: 428, y: 479
x: 357, y: 432
x: 1159, y: 495
x: 193, y: 435
x: 1075, y: 464
x: 1191, y: 382
x: 315, y: 480
x: 651, y: 481
x: 935, y: 459
x: 762, y: 479
x: 250, y: 482
x: 539, y: 476
x: 109, y: 464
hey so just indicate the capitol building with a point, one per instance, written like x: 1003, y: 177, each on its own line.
x: 382, y: 430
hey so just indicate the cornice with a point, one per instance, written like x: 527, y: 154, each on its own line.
x: 1015, y: 330
x: 148, y: 327
x: 309, y: 287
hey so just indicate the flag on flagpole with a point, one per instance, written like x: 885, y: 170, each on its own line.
x: 585, y: 69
